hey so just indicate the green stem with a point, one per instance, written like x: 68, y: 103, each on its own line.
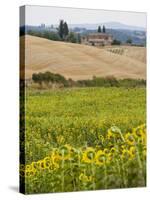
x: 93, y: 174
x: 74, y: 186
x: 105, y: 172
x: 124, y: 174
x: 79, y: 169
x: 140, y: 164
x: 62, y: 174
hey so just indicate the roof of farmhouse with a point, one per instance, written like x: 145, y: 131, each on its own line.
x: 99, y: 34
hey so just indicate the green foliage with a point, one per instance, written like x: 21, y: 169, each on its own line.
x: 129, y: 41
x: 110, y: 81
x: 104, y: 29
x: 62, y: 34
x: 45, y: 34
x: 48, y: 77
x: 78, y: 38
x: 116, y: 42
x: 66, y: 30
x: 99, y: 29
x: 72, y: 37
x: 63, y: 30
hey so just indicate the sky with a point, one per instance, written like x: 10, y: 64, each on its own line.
x: 36, y: 15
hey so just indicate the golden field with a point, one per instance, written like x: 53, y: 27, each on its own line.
x: 78, y: 61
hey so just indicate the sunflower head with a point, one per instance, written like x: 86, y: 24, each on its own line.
x: 65, y: 152
x: 88, y: 155
x: 100, y: 158
x: 47, y: 162
x: 110, y: 134
x: 132, y: 152
x: 84, y: 178
x: 129, y: 138
x: 125, y: 154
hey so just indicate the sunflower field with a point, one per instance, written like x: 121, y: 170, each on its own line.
x: 84, y: 139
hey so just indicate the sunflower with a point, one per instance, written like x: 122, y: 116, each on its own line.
x: 28, y: 167
x: 55, y: 157
x: 109, y: 157
x: 125, y: 154
x: 100, y: 158
x: 53, y: 166
x: 113, y: 150
x: 89, y: 155
x: 29, y: 173
x: 22, y: 167
x: 110, y: 134
x: 35, y: 165
x: 129, y: 139
x: 75, y: 154
x: 106, y: 151
x: 132, y: 152
x: 47, y: 162
x: 65, y: 152
x: 85, y: 178
x: 42, y: 164
x: 140, y: 131
x: 22, y: 172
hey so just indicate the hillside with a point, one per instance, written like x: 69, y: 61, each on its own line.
x: 78, y: 61
x: 137, y: 53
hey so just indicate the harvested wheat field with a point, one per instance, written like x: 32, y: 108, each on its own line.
x: 134, y: 52
x: 78, y: 61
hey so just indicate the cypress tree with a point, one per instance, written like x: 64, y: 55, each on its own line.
x: 99, y: 29
x: 65, y: 29
x: 61, y: 29
x: 104, y: 29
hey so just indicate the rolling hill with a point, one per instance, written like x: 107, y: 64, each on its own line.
x: 78, y: 61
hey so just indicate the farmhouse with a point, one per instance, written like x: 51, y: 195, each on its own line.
x: 97, y: 39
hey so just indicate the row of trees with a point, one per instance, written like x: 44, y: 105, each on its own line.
x: 45, y: 34
x: 65, y: 35
x: 118, y: 42
x: 62, y: 34
x: 101, y: 30
x: 49, y: 78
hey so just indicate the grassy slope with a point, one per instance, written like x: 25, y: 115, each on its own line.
x: 78, y: 61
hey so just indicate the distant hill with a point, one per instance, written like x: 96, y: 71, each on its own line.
x: 110, y: 25
x: 78, y: 61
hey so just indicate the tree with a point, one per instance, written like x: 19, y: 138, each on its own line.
x: 79, y: 38
x: 37, y: 78
x: 65, y: 29
x: 61, y: 29
x: 129, y: 41
x: 48, y: 77
x: 71, y: 37
x: 99, y: 29
x: 116, y: 42
x: 104, y: 29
